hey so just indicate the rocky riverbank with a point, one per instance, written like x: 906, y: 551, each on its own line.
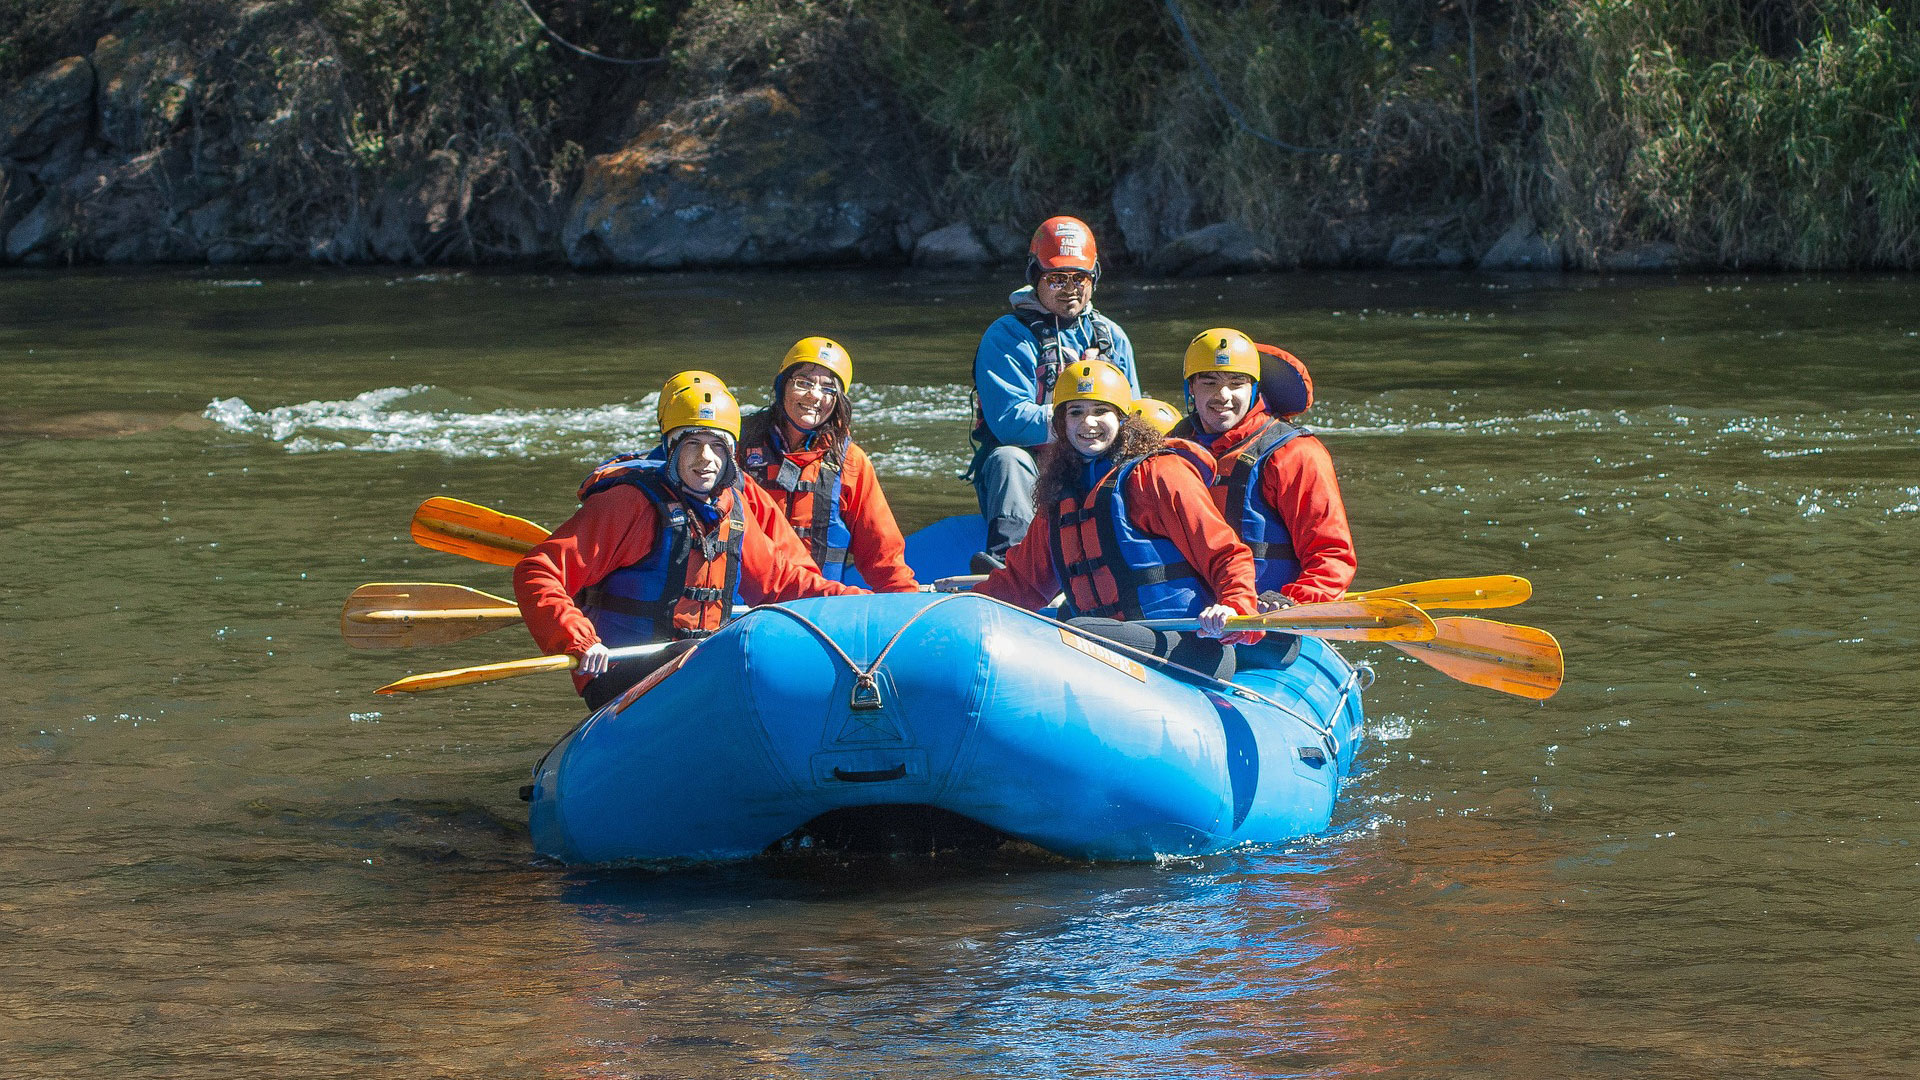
x: 782, y: 133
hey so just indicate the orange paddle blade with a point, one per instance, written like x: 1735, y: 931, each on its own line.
x: 1459, y: 594
x: 474, y: 531
x: 402, y: 615
x: 1524, y: 661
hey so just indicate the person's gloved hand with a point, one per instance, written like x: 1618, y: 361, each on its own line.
x: 594, y: 661
x: 1274, y: 600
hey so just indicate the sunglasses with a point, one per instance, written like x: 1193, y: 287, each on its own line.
x: 824, y: 387
x: 1061, y: 279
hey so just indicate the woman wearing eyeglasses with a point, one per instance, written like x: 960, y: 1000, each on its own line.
x: 801, y: 451
x: 1052, y: 324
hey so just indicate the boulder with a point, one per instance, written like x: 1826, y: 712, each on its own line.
x: 36, y: 233
x: 50, y: 108
x: 741, y: 179
x: 955, y: 245
x: 124, y: 208
x: 1222, y: 248
x: 1521, y: 247
x: 143, y: 92
x: 1656, y: 256
x: 17, y: 194
x: 1005, y: 242
x: 1151, y: 207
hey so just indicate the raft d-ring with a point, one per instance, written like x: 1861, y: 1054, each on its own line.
x: 866, y: 692
x: 1367, y: 675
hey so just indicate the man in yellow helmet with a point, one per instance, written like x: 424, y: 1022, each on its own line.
x: 1274, y: 481
x: 658, y: 547
x: 1052, y: 324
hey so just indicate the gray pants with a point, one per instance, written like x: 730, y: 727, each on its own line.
x: 1003, y: 479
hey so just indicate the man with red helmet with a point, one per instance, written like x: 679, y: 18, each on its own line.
x: 1052, y: 324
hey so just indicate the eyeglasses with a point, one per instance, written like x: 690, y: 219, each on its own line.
x: 824, y: 387
x: 1065, y: 278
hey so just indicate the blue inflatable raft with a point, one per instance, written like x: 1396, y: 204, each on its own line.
x: 962, y: 704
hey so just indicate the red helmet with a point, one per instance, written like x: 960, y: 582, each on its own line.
x: 1062, y: 243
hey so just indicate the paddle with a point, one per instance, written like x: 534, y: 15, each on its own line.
x: 402, y: 615
x: 477, y: 532
x: 1338, y: 620
x: 1520, y: 660
x: 511, y: 669
x: 1460, y: 594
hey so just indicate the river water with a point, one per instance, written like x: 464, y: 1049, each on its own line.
x: 221, y: 855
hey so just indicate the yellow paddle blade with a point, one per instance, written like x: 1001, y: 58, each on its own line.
x: 474, y: 531
x: 1461, y: 594
x: 1345, y: 620
x: 1524, y: 661
x: 436, y: 680
x: 402, y: 615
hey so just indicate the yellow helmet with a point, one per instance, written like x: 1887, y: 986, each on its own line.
x: 1093, y: 380
x: 698, y: 403
x: 680, y: 382
x: 826, y: 352
x: 1156, y: 412
x: 1221, y: 349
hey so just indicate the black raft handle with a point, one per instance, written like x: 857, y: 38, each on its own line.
x: 870, y: 776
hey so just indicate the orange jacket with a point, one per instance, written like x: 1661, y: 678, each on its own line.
x: 1164, y: 497
x: 617, y: 527
x: 1298, y: 482
x: 877, y: 547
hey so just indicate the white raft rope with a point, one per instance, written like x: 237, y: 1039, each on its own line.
x: 866, y: 691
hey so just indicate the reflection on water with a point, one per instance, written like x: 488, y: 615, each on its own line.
x: 224, y: 857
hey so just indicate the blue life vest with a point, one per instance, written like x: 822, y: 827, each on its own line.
x: 669, y: 594
x: 1109, y: 568
x: 1236, y: 491
x: 1045, y: 329
x: 812, y: 503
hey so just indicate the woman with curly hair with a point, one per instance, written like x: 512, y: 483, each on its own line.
x: 1124, y: 529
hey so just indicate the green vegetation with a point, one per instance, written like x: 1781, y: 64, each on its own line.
x: 1751, y: 134
x: 1747, y: 132
x: 1762, y: 133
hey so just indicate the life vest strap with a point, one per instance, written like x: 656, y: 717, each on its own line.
x: 1282, y: 550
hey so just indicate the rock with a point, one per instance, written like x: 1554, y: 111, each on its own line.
x: 143, y: 93
x: 1152, y: 207
x: 1006, y: 242
x: 1222, y: 248
x: 955, y: 245
x: 35, y: 233
x: 1656, y: 256
x: 124, y: 210
x: 1521, y: 247
x: 17, y: 194
x: 1408, y: 249
x: 51, y: 107
x: 1423, y: 251
x: 736, y: 180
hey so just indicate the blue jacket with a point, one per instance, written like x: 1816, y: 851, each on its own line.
x: 1006, y: 369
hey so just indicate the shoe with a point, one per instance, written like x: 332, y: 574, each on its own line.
x: 986, y: 562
